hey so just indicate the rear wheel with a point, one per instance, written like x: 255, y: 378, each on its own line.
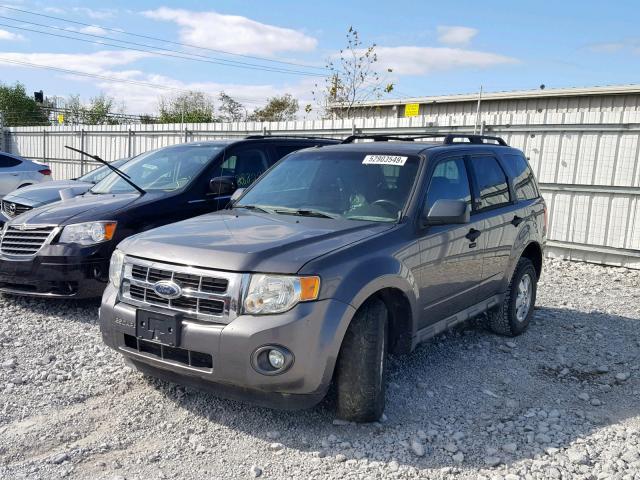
x: 513, y: 315
x: 361, y: 367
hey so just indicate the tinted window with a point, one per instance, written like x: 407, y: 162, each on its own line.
x: 166, y: 169
x: 339, y: 184
x: 492, y: 181
x: 523, y: 179
x: 246, y: 164
x: 7, y: 162
x: 283, y: 150
x: 449, y: 181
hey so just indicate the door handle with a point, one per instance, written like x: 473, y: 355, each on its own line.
x: 473, y: 235
x: 516, y: 221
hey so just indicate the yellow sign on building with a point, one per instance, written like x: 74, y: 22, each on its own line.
x: 60, y: 119
x: 411, y: 109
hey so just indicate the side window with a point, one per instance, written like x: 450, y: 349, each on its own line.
x: 8, y: 162
x: 492, y: 181
x: 449, y: 181
x: 523, y: 179
x: 246, y: 164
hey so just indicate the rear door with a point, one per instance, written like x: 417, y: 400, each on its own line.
x: 450, y: 255
x: 496, y: 206
x: 10, y: 174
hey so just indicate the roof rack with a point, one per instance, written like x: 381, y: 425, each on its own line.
x: 448, y: 138
x: 305, y: 137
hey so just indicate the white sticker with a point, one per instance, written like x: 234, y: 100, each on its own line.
x: 384, y: 160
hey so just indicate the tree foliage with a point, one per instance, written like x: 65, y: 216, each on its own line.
x: 101, y: 110
x: 230, y: 110
x: 19, y: 109
x: 353, y: 77
x: 277, y: 109
x: 187, y: 107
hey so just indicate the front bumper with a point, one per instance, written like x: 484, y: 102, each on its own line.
x: 312, y: 331
x: 77, y: 275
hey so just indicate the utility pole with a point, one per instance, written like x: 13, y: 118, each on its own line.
x: 2, y: 137
x: 475, y: 125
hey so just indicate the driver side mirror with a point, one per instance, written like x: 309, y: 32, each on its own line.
x: 223, y: 186
x: 444, y: 212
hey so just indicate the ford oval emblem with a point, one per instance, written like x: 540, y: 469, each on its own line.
x: 167, y: 289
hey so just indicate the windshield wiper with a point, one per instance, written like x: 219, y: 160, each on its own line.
x: 115, y: 170
x: 305, y: 212
x: 253, y: 207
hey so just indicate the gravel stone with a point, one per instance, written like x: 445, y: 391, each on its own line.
x: 62, y: 392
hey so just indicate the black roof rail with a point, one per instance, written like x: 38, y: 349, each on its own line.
x: 448, y: 138
x: 303, y: 137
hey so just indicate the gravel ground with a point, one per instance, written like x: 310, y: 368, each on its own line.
x: 561, y: 401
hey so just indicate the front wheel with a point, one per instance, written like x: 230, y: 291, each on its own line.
x: 512, y: 316
x: 361, y: 367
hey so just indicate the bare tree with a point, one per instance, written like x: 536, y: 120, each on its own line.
x: 353, y: 78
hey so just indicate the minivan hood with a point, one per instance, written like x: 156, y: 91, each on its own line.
x: 96, y: 207
x: 43, y: 193
x: 244, y: 241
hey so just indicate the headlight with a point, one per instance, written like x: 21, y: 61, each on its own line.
x: 115, y: 268
x: 279, y: 293
x: 88, y: 233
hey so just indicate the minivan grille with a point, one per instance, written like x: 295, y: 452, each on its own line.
x: 206, y: 294
x: 12, y: 209
x: 25, y: 240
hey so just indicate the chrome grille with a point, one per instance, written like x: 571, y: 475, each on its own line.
x: 206, y: 294
x: 26, y: 240
x: 12, y: 209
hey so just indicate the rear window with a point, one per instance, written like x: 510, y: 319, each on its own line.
x: 7, y: 162
x: 523, y: 178
x: 492, y: 181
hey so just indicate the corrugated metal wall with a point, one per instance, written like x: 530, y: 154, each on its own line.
x: 586, y: 160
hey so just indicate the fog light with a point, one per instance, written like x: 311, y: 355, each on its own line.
x: 272, y: 359
x: 276, y: 359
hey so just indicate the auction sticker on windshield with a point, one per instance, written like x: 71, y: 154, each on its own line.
x: 384, y: 160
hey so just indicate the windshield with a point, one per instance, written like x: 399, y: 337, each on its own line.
x: 347, y: 185
x: 94, y: 176
x: 167, y: 169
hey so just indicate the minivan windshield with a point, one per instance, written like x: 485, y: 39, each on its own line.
x: 167, y: 169
x: 94, y: 176
x: 350, y: 185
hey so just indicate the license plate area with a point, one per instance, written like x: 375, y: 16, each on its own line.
x: 159, y: 327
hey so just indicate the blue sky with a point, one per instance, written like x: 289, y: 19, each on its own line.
x: 433, y: 48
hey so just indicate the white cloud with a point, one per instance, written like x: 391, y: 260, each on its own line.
x: 93, y: 30
x: 100, y: 14
x: 10, y: 36
x: 455, y: 35
x: 54, y: 10
x: 142, y: 98
x: 233, y: 33
x: 411, y: 60
x: 94, y: 63
x: 630, y: 45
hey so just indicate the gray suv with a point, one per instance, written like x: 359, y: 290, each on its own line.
x: 334, y: 258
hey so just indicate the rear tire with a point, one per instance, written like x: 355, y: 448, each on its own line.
x: 512, y: 316
x: 361, y: 368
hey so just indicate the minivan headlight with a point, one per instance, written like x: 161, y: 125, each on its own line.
x: 278, y: 293
x: 88, y: 233
x: 115, y: 268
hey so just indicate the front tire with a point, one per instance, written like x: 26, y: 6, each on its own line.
x: 513, y: 315
x: 361, y: 367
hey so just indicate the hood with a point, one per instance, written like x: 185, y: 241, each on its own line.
x: 97, y: 207
x: 245, y: 241
x: 48, y: 192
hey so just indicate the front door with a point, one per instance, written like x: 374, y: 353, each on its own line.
x: 450, y: 255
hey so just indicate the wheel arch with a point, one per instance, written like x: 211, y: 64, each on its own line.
x: 533, y: 251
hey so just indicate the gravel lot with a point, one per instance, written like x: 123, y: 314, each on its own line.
x: 561, y: 401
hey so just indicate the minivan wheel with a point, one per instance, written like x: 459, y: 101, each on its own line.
x: 512, y: 317
x: 360, y: 379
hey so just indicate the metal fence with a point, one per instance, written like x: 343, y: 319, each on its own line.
x: 588, y: 163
